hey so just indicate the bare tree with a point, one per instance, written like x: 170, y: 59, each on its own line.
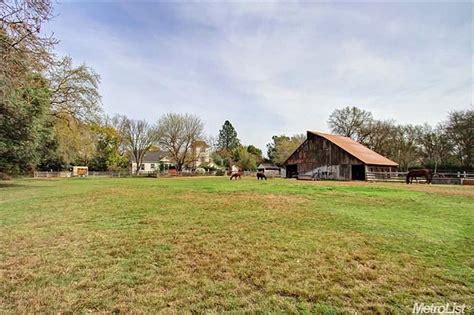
x: 177, y: 133
x: 139, y: 136
x: 22, y: 45
x: 350, y: 122
x: 460, y: 130
x: 379, y: 135
x: 74, y: 91
x: 435, y: 145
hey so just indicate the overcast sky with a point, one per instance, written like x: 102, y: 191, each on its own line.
x: 274, y: 68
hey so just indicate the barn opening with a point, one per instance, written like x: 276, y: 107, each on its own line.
x: 291, y: 170
x: 358, y: 172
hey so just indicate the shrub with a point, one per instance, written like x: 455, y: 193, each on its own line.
x: 4, y: 176
x: 200, y: 171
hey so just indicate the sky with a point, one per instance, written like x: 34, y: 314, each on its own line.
x: 273, y: 68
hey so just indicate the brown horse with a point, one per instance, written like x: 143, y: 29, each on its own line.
x: 261, y: 176
x: 419, y: 173
x: 235, y: 176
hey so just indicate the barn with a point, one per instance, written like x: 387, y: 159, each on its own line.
x: 269, y: 169
x: 329, y: 156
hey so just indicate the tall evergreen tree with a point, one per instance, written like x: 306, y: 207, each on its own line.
x: 227, y: 140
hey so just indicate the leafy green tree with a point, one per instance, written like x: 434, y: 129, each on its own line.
x: 50, y: 158
x: 254, y: 151
x: 108, y: 154
x: 23, y: 116
x: 46, y: 105
x: 76, y: 141
x: 245, y: 160
x: 227, y: 140
x: 283, y: 146
x: 218, y: 159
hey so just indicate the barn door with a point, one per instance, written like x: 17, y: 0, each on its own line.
x: 358, y: 172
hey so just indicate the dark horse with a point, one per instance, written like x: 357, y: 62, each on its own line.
x: 419, y: 173
x: 261, y: 176
x: 235, y: 176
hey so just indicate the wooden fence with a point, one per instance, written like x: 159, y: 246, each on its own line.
x: 51, y: 174
x: 109, y: 174
x: 438, y: 178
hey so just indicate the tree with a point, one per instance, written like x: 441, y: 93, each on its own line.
x: 54, y: 100
x: 256, y: 153
x: 76, y: 141
x: 406, y: 148
x: 350, y: 122
x: 254, y: 150
x: 176, y: 135
x: 24, y: 94
x: 74, y: 91
x: 139, y: 136
x: 435, y: 146
x: 380, y: 136
x: 218, y: 159
x: 282, y: 147
x: 245, y: 160
x: 227, y: 140
x: 108, y: 154
x: 23, y: 116
x: 22, y: 47
x: 460, y: 130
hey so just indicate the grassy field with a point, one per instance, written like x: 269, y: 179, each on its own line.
x: 209, y: 244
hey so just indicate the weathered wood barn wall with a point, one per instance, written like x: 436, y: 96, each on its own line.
x: 334, y: 157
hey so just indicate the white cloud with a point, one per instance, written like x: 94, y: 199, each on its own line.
x: 276, y: 68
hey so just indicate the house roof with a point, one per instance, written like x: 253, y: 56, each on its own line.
x: 268, y: 166
x: 200, y: 144
x: 153, y: 156
x: 356, y: 149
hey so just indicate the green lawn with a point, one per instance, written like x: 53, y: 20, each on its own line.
x: 209, y: 244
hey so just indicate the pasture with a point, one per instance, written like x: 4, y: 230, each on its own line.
x: 209, y: 244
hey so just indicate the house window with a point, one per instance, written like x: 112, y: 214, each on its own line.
x: 142, y: 167
x: 152, y: 166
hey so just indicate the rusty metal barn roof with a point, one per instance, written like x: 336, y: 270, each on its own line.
x: 356, y: 149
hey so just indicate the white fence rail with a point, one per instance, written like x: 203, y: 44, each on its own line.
x: 386, y: 176
x: 51, y: 174
x: 438, y: 178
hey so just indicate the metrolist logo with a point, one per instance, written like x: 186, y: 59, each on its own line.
x: 448, y: 308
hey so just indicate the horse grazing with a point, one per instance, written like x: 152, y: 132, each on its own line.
x: 235, y: 176
x: 261, y: 176
x: 419, y: 173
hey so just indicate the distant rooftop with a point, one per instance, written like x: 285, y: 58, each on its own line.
x: 268, y: 166
x: 153, y: 156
